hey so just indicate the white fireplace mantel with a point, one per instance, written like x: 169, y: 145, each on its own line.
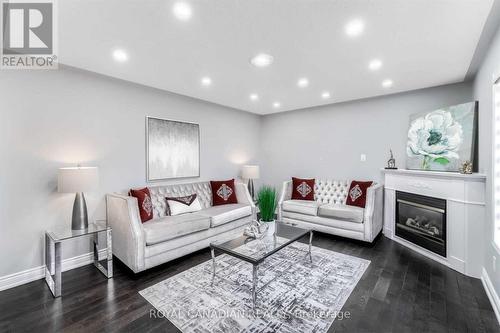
x: 435, y: 174
x: 465, y: 208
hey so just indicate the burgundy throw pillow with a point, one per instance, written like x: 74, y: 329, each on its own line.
x: 302, y: 189
x: 357, y: 193
x: 145, y: 205
x: 223, y: 192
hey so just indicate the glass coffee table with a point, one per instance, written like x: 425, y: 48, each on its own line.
x: 255, y: 251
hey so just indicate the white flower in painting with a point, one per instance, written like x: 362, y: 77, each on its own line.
x: 437, y: 137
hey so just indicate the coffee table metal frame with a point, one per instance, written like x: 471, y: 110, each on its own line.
x: 256, y: 261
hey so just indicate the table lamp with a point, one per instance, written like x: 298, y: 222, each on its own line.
x: 250, y: 172
x: 78, y: 180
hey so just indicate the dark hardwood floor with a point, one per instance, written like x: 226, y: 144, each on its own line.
x: 401, y: 291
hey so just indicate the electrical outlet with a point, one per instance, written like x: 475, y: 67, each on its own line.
x: 363, y: 158
x: 494, y: 263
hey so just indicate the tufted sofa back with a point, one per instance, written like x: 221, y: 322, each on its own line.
x: 331, y: 191
x: 158, y: 194
x: 326, y: 191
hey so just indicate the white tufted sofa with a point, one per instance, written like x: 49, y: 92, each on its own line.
x: 144, y: 245
x: 328, y: 212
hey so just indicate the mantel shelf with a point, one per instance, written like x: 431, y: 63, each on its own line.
x: 436, y: 174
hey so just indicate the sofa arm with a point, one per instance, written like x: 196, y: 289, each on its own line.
x: 373, y: 216
x: 286, y: 194
x: 128, y: 235
x: 243, y: 196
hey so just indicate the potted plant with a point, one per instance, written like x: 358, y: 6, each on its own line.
x: 267, y: 201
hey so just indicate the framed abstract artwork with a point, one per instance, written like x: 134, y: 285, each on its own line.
x: 172, y: 149
x: 443, y: 139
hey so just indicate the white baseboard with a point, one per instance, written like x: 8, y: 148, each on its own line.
x: 492, y: 295
x: 33, y: 274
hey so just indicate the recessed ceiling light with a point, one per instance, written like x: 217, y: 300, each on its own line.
x: 206, y: 81
x: 354, y: 28
x: 303, y: 82
x: 325, y: 95
x: 387, y: 83
x: 182, y: 11
x: 262, y: 60
x: 375, y: 64
x: 276, y: 105
x: 254, y: 97
x: 120, y: 55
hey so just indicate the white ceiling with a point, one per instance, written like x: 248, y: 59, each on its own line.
x: 422, y: 43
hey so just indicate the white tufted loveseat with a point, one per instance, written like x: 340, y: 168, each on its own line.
x: 144, y: 245
x: 328, y: 212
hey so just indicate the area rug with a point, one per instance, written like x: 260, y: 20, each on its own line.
x: 293, y: 294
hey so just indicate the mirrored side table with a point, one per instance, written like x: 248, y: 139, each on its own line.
x: 53, y: 253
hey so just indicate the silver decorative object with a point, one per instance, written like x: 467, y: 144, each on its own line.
x: 466, y: 168
x: 251, y: 189
x: 80, y: 218
x: 255, y: 230
x: 78, y: 180
x: 391, y: 163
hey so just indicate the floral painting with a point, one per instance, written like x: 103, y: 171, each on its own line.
x: 443, y: 139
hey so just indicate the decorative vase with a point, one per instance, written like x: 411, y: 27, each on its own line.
x: 271, y: 226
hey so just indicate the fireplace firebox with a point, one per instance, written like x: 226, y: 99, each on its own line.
x: 422, y: 221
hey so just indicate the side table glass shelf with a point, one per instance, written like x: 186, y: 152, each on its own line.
x: 53, y: 254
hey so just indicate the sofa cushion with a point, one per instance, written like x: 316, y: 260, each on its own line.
x: 222, y: 214
x: 170, y: 227
x: 219, y: 232
x: 357, y: 193
x: 301, y: 206
x: 342, y: 212
x: 302, y: 189
x: 223, y: 192
x: 324, y: 221
x: 182, y: 205
x: 144, y: 201
x: 158, y: 193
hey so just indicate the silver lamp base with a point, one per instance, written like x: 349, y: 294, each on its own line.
x: 251, y: 189
x: 80, y: 220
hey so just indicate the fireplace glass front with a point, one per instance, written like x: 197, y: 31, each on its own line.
x: 422, y: 221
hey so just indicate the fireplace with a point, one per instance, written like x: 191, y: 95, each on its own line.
x: 422, y: 221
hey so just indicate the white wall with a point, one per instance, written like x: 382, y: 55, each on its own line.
x: 483, y: 92
x: 327, y: 141
x: 50, y: 119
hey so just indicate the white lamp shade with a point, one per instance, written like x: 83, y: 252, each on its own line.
x: 250, y: 172
x: 79, y: 179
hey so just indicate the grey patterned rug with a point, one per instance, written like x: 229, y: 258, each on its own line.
x: 294, y: 295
